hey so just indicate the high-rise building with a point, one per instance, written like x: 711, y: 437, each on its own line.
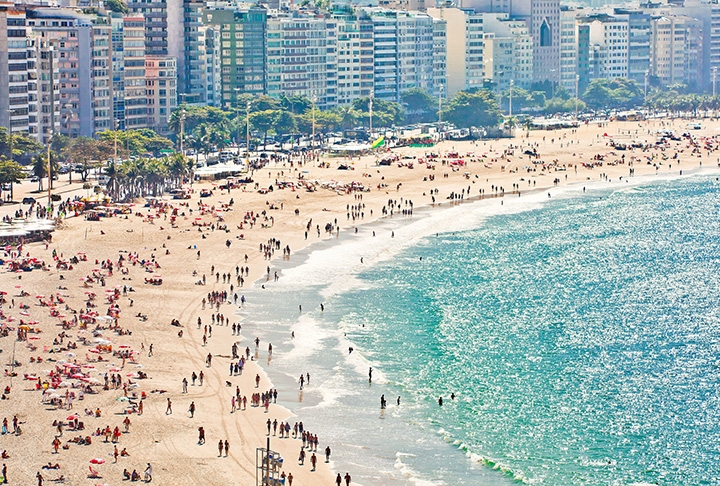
x: 355, y: 57
x: 676, y: 54
x: 545, y: 30
x: 509, y: 51
x: 302, y: 57
x: 85, y: 65
x: 465, y: 41
x: 213, y: 66
x: 242, y: 49
x: 135, y: 97
x: 13, y: 69
x: 161, y: 91
x: 608, y: 46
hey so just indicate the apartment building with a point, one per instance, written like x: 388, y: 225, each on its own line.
x: 302, y: 57
x: 355, y: 57
x: 242, y: 49
x: 85, y: 66
x: 464, y: 48
x: 676, y: 54
x: 135, y: 114
x: 608, y: 46
x: 509, y: 50
x: 161, y: 91
x: 14, y: 112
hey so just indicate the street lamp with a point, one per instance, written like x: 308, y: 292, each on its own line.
x: 312, y: 142
x: 440, y: 89
x: 247, y: 134
x: 371, y: 103
x: 577, y: 94
x: 182, y: 130
x: 237, y: 100
x: 512, y: 83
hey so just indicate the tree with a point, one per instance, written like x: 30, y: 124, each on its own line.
x: 10, y: 173
x: 297, y: 105
x: 117, y: 6
x: 613, y: 93
x: 388, y: 112
x: 420, y: 105
x: 39, y: 168
x: 90, y: 153
x: 347, y: 115
x: 264, y: 121
x: 21, y: 144
x: 473, y: 110
x: 285, y: 123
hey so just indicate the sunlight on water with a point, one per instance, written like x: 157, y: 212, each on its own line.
x: 581, y: 341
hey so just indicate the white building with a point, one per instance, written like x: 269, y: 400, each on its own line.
x: 464, y: 54
x: 302, y: 57
x: 608, y: 47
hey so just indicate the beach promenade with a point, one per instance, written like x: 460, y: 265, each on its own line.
x: 117, y: 313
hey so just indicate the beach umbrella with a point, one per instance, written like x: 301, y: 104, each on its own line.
x: 97, y: 460
x: 54, y: 395
x: 73, y: 417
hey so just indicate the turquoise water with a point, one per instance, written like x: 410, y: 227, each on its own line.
x: 579, y: 334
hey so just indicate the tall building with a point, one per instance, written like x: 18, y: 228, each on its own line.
x: 464, y: 55
x: 568, y: 49
x: 355, y: 57
x: 511, y: 51
x: 175, y: 28
x: 213, y: 66
x: 545, y: 30
x: 161, y: 91
x: 676, y: 54
x: 439, y: 57
x: 608, y: 47
x: 243, y: 49
x: 43, y: 121
x: 135, y: 99
x: 302, y: 57
x: 13, y: 69
x: 85, y: 66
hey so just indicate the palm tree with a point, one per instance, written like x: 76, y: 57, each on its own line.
x: 348, y: 116
x: 113, y: 172
x: 40, y: 170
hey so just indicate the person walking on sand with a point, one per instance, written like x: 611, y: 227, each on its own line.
x: 313, y: 461
x: 56, y: 444
x: 148, y: 473
x: 39, y: 478
x: 192, y: 409
x: 227, y: 448
x: 301, y: 458
x: 201, y: 435
x: 347, y: 479
x: 289, y: 478
x: 338, y: 480
x: 327, y: 454
x: 184, y: 385
x: 220, y: 448
x: 168, y: 410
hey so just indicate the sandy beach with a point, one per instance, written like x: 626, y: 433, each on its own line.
x: 62, y: 307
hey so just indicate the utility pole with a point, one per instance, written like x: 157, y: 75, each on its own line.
x: 512, y: 83
x: 370, y: 104
x: 312, y: 142
x: 52, y: 119
x: 182, y: 130
x: 577, y: 94
x: 247, y: 133
x: 440, y: 112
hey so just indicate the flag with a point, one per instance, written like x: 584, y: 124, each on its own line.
x: 379, y: 142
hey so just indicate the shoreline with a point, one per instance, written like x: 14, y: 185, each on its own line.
x: 280, y: 377
x: 178, y: 298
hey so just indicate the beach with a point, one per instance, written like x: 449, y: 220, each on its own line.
x: 197, y: 250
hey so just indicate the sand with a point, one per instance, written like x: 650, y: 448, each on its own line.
x: 169, y: 442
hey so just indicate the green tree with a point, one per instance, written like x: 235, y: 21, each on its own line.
x: 285, y: 123
x: 347, y: 115
x: 264, y: 121
x: 21, y: 144
x: 421, y: 107
x: 473, y: 110
x: 10, y: 173
x: 39, y: 169
x: 117, y: 6
x: 297, y: 105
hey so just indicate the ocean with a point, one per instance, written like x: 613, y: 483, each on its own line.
x: 578, y: 333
